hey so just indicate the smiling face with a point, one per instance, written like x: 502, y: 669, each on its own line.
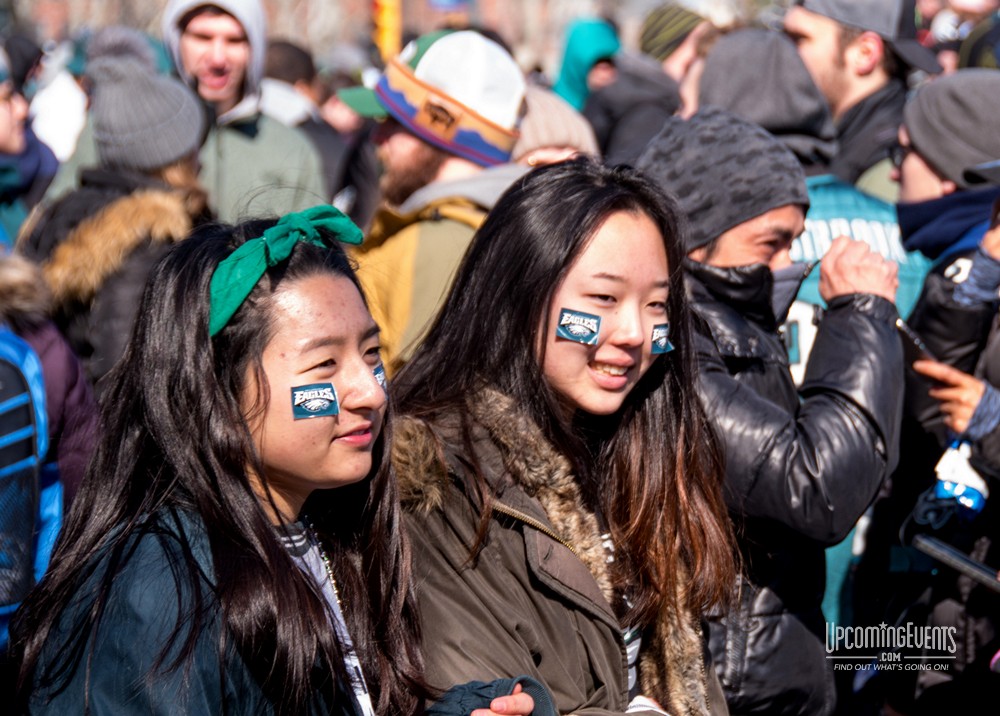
x: 620, y: 276
x: 323, y: 333
x: 215, y: 51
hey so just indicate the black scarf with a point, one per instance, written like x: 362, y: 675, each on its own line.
x: 867, y: 131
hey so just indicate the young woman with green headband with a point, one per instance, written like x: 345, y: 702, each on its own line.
x: 235, y: 545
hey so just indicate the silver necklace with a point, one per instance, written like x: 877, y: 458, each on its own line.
x: 325, y: 558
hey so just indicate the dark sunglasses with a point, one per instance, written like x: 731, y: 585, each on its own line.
x: 897, y: 154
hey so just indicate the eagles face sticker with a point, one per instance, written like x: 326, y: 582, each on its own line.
x: 379, y: 373
x: 661, y: 343
x: 578, y: 326
x: 314, y: 401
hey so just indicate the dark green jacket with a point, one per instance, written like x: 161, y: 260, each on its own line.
x: 149, y: 594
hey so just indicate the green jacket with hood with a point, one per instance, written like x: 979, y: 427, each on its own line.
x: 252, y: 165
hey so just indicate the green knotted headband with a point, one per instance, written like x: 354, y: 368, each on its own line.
x: 236, y: 275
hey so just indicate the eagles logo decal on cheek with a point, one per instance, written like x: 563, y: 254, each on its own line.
x: 578, y: 327
x: 379, y: 373
x: 661, y: 343
x: 314, y: 401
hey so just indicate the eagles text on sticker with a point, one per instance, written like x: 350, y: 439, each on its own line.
x: 661, y: 343
x: 310, y: 401
x: 379, y: 373
x: 578, y: 326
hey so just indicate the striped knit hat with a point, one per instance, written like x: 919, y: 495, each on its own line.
x: 665, y: 28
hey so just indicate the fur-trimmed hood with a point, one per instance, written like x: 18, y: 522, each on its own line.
x: 512, y: 452
x: 527, y: 474
x: 98, y: 246
x: 24, y: 297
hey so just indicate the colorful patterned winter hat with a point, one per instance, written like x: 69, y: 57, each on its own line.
x: 456, y: 90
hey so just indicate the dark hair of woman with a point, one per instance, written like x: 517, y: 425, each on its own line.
x: 651, y: 472
x: 176, y: 438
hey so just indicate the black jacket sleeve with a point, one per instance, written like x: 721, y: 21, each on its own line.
x: 814, y: 469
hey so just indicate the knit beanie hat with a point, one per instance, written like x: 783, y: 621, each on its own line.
x: 665, y: 28
x: 552, y: 122
x: 123, y: 42
x: 951, y: 122
x: 723, y: 171
x: 142, y: 120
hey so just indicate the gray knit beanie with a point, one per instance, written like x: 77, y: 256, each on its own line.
x: 122, y: 42
x: 551, y: 121
x: 142, y: 120
x: 953, y: 121
x: 723, y: 171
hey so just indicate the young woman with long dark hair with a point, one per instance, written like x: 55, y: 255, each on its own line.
x: 562, y: 487
x: 226, y: 555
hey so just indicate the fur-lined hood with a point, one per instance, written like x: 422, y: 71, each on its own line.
x: 511, y: 451
x: 526, y: 473
x: 98, y: 246
x: 24, y: 297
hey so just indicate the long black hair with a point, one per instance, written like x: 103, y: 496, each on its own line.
x: 652, y: 470
x: 175, y: 440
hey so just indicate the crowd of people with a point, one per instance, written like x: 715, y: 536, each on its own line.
x: 460, y: 389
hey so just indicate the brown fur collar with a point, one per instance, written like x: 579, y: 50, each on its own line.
x: 519, y: 453
x: 24, y: 297
x: 671, y: 664
x: 99, y: 245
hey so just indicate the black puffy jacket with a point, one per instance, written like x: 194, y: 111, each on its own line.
x: 801, y: 468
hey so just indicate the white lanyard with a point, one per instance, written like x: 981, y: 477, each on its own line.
x: 315, y: 563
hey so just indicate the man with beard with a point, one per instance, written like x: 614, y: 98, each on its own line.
x: 449, y: 105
